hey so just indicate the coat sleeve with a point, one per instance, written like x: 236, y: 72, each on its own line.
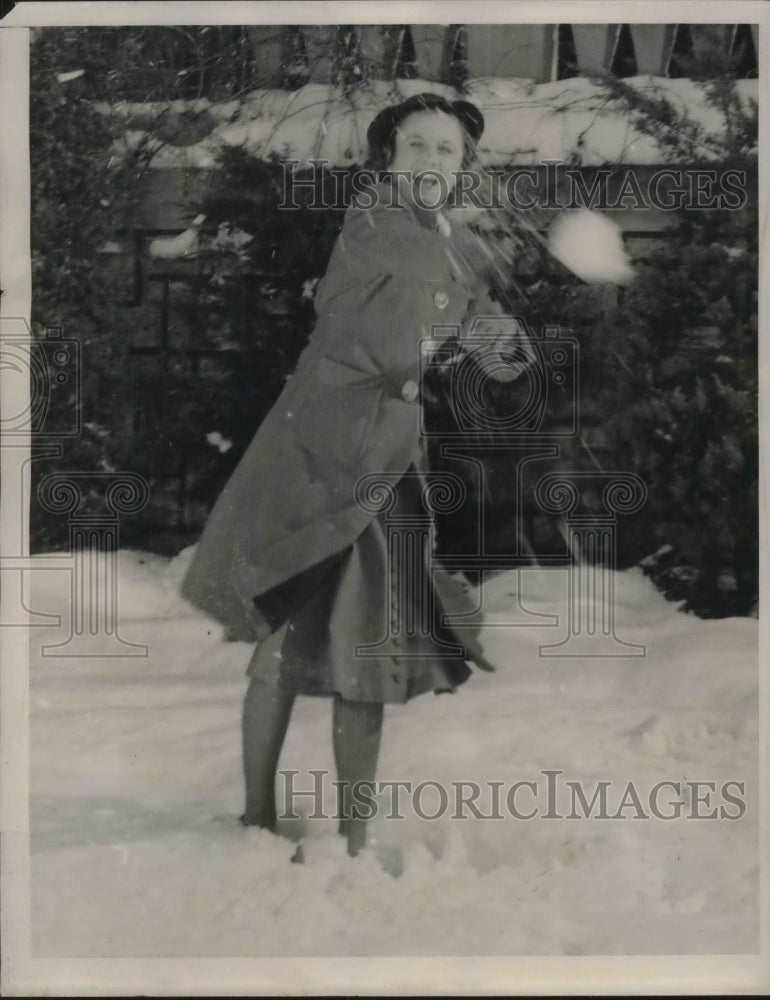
x: 377, y: 299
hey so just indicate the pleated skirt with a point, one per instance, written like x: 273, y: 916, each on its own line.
x: 381, y: 621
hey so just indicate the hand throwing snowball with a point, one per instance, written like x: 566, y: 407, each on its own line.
x: 296, y: 555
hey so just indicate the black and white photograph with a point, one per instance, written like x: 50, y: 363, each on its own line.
x: 381, y: 510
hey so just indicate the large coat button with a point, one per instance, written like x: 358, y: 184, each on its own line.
x: 410, y: 391
x: 441, y: 300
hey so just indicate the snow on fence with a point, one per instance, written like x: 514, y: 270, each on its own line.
x: 526, y: 123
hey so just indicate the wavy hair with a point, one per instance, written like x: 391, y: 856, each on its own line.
x: 382, y: 142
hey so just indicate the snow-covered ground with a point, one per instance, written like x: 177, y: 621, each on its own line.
x: 136, y: 786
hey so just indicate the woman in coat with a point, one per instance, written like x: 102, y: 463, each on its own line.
x: 298, y: 553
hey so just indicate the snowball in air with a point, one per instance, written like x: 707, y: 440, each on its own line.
x: 591, y: 246
x: 218, y: 441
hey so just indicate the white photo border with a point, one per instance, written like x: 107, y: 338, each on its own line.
x: 599, y: 975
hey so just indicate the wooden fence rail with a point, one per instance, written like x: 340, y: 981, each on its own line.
x: 530, y: 51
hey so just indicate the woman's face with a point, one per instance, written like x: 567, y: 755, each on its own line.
x: 429, y: 141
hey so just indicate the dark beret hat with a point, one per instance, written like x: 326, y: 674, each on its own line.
x: 385, y: 122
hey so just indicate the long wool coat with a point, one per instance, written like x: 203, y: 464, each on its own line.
x: 349, y: 409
